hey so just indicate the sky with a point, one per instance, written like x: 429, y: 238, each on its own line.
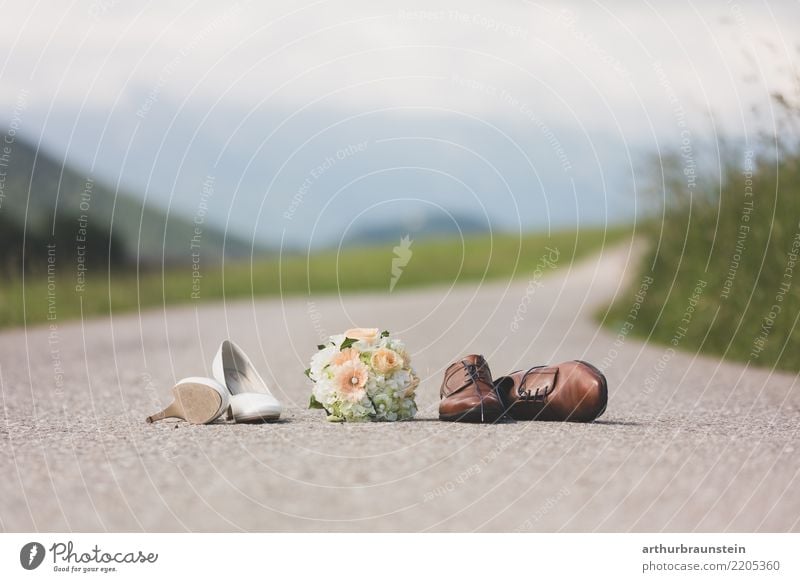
x: 318, y: 119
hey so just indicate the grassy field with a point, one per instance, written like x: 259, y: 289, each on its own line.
x: 432, y: 262
x: 723, y: 263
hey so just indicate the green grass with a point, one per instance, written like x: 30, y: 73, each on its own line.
x: 743, y: 255
x: 443, y: 261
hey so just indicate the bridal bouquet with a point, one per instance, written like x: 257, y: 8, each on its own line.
x: 363, y: 375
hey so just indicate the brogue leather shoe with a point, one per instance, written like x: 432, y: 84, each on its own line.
x: 467, y: 392
x: 572, y: 391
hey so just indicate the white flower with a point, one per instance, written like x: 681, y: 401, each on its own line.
x: 321, y: 359
x: 324, y: 392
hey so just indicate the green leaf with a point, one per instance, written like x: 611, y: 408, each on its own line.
x: 315, y: 404
x: 333, y: 418
x: 320, y: 346
x: 384, y: 333
x: 308, y: 373
x: 348, y: 342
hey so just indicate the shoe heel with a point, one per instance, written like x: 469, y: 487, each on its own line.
x: 171, y: 411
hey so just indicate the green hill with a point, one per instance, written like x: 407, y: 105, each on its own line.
x: 57, y: 204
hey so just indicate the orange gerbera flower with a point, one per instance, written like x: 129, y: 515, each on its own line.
x: 350, y: 379
x: 346, y: 355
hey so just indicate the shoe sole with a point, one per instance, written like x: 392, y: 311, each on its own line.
x: 200, y: 403
x: 474, y: 415
x: 256, y: 419
x: 194, y: 402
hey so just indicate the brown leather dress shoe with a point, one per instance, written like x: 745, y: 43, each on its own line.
x: 575, y: 391
x: 468, y: 394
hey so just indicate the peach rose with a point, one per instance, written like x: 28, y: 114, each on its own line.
x: 350, y: 379
x: 385, y: 360
x: 346, y: 355
x: 364, y: 334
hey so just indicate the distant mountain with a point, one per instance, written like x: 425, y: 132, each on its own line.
x: 39, y: 191
x: 417, y: 227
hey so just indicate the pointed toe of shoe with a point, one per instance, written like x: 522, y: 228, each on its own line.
x: 594, y: 393
x: 254, y: 407
x: 583, y: 394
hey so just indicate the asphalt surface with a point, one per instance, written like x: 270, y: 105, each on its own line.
x: 687, y: 443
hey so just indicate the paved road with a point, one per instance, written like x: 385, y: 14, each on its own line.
x: 687, y: 443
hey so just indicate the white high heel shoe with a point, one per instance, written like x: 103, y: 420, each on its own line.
x: 250, y: 398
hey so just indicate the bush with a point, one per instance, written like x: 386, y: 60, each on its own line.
x: 724, y: 260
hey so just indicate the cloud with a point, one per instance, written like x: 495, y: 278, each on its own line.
x: 357, y: 54
x: 159, y: 96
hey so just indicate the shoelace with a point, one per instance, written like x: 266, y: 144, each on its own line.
x: 476, y: 374
x: 525, y: 393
